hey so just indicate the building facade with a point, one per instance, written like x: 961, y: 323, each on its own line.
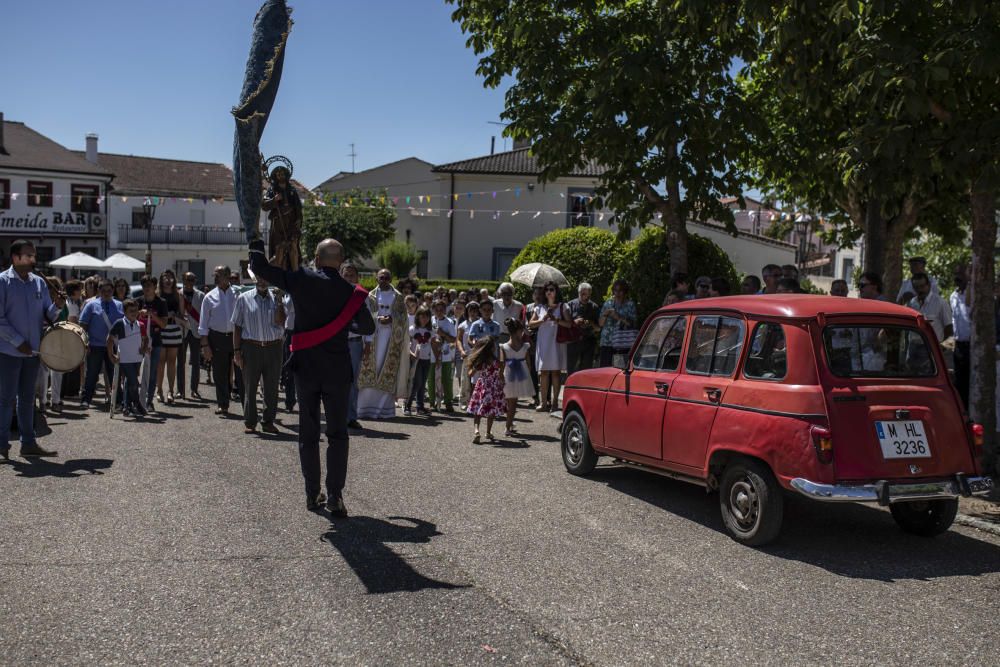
x: 51, y: 196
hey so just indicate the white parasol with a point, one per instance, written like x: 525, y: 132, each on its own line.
x: 122, y: 262
x: 537, y: 274
x: 77, y: 260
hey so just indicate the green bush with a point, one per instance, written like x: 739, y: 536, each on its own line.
x: 646, y: 266
x: 397, y: 256
x: 583, y: 254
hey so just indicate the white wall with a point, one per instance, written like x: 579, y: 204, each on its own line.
x: 748, y: 254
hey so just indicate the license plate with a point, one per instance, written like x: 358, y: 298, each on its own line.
x: 902, y: 439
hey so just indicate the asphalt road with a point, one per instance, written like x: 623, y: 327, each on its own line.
x: 188, y: 542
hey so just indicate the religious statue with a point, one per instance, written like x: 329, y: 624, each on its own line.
x: 284, y: 210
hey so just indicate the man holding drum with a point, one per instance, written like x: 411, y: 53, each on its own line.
x: 25, y: 303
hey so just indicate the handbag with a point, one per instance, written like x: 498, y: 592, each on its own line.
x: 570, y: 334
x: 622, y: 339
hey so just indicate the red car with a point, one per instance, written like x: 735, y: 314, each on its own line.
x: 840, y: 400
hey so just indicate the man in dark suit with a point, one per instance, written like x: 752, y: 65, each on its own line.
x: 327, y: 307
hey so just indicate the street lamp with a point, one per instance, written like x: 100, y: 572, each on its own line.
x: 149, y: 210
x: 801, y: 229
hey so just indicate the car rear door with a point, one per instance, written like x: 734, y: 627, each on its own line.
x: 713, y: 352
x: 893, y: 413
x: 634, y: 409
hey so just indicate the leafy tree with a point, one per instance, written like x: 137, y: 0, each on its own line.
x: 583, y: 254
x: 397, y: 256
x: 643, y: 88
x: 943, y: 254
x: 360, y: 221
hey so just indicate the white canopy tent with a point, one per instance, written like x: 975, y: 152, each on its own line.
x: 122, y: 262
x: 77, y: 260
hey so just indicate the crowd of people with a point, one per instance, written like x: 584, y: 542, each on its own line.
x: 432, y: 350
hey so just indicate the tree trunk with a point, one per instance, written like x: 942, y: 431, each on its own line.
x: 983, y: 399
x: 676, y: 229
x: 896, y: 230
x: 875, y: 230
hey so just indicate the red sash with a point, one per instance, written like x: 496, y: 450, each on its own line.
x: 191, y: 311
x: 307, y: 339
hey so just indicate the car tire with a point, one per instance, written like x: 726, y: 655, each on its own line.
x: 926, y: 518
x: 751, y: 502
x: 577, y: 454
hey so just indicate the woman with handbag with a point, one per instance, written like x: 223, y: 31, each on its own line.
x: 618, y: 325
x: 548, y: 319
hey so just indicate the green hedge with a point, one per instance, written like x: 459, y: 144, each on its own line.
x: 646, y: 266
x: 583, y: 254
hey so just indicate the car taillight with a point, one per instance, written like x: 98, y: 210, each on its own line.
x: 823, y: 442
x: 976, y: 432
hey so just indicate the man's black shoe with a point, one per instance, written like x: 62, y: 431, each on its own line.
x: 35, y: 450
x: 316, y: 504
x: 355, y: 424
x: 195, y: 394
x: 269, y: 428
x: 336, y: 507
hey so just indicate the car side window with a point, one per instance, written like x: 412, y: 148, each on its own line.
x: 647, y: 353
x: 673, y: 344
x: 716, y: 343
x: 768, y: 357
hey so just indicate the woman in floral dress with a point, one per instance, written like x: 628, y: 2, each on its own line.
x: 488, y: 398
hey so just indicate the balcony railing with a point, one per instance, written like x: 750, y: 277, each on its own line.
x: 184, y: 235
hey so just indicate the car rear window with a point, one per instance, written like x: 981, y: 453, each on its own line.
x: 875, y: 351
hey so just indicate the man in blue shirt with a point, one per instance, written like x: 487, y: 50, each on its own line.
x: 97, y: 317
x: 25, y: 303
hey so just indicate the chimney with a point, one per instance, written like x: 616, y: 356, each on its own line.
x: 3, y: 151
x: 493, y: 144
x: 92, y: 148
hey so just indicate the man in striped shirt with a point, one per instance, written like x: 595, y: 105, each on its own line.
x: 257, y: 348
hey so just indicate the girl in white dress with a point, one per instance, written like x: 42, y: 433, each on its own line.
x: 517, y: 381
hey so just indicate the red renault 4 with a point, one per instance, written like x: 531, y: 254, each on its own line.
x: 840, y: 400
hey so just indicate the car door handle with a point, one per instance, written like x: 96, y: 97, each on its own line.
x: 662, y: 387
x: 713, y: 394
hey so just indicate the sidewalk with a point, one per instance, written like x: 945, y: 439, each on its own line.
x: 982, y: 513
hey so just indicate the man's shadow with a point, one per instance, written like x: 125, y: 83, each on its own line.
x: 363, y: 542
x: 38, y: 467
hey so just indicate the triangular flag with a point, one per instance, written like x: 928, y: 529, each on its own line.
x: 517, y: 192
x: 472, y: 213
x: 450, y: 212
x: 407, y: 199
x: 514, y: 213
x: 420, y: 198
x: 395, y: 200
x: 537, y: 213
x: 455, y: 196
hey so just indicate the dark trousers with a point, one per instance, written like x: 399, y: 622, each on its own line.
x: 607, y: 356
x: 417, y: 391
x: 222, y: 365
x: 130, y: 375
x: 190, y: 350
x: 260, y: 363
x: 322, y: 378
x: 580, y: 355
x: 97, y: 358
x: 287, y: 377
x: 963, y: 366
x: 154, y: 368
x: 17, y: 392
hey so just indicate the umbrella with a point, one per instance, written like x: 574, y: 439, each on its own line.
x: 260, y: 87
x: 537, y: 274
x: 77, y: 260
x: 122, y: 262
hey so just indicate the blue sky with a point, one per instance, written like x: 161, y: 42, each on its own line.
x: 158, y: 77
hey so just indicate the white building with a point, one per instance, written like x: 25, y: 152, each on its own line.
x: 50, y: 195
x: 196, y: 226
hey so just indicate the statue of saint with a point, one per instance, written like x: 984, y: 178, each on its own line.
x: 284, y: 210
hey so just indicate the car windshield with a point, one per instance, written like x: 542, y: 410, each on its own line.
x: 877, y: 351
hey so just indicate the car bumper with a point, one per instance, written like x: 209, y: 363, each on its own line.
x: 886, y: 493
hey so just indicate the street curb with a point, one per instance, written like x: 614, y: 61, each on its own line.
x: 979, y: 524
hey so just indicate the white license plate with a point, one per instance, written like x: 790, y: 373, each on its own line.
x: 902, y: 439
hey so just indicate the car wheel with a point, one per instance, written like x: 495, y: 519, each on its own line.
x: 751, y: 502
x: 925, y: 517
x: 578, y: 456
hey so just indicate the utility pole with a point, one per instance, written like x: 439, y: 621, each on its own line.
x: 353, y: 155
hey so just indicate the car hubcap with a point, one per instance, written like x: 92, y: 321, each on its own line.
x: 744, y: 504
x: 574, y: 443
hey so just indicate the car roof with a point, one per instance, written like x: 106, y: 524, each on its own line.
x: 794, y: 306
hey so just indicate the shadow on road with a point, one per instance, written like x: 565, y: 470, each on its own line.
x: 363, y: 541
x: 382, y: 435
x: 851, y: 540
x: 35, y: 467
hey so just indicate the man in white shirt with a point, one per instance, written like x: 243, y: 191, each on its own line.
x: 906, y: 290
x: 960, y: 302
x: 929, y: 304
x: 216, y: 330
x: 506, y: 306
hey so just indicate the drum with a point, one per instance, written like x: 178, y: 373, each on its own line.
x: 63, y: 347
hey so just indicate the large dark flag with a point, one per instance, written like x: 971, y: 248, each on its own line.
x: 260, y: 87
